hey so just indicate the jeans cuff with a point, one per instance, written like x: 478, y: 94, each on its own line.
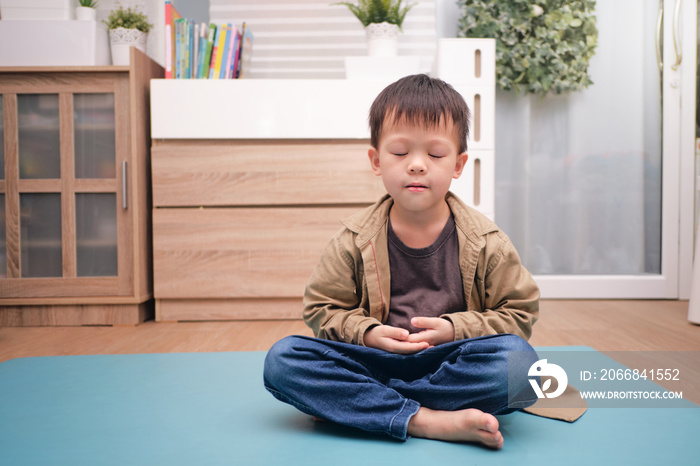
x: 399, y: 424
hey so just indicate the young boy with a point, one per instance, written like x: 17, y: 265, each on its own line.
x: 417, y: 302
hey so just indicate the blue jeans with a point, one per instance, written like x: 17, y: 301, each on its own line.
x: 379, y: 392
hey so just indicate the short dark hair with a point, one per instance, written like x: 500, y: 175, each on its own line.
x: 420, y: 99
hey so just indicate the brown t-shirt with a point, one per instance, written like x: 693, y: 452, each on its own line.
x: 425, y: 281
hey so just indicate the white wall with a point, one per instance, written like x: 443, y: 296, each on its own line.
x: 312, y: 56
x: 311, y: 39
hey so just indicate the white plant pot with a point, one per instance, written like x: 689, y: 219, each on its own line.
x: 382, y: 39
x: 120, y: 39
x: 85, y: 13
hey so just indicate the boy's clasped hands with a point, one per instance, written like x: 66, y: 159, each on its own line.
x: 398, y: 340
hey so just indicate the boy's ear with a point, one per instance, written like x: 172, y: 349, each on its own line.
x: 461, y: 163
x: 374, y: 160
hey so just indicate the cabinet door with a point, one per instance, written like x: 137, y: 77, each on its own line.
x: 65, y: 216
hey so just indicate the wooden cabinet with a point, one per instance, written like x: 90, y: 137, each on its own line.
x: 74, y: 194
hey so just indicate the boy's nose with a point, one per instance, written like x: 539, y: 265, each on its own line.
x: 416, y: 165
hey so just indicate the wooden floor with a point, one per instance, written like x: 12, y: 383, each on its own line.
x: 602, y: 325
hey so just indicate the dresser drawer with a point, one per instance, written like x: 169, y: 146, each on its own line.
x: 255, y: 173
x: 241, y: 252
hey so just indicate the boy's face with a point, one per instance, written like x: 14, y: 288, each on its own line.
x: 417, y: 163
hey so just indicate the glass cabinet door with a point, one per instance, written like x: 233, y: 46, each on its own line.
x: 93, y: 117
x: 39, y: 144
x: 61, y: 187
x: 96, y: 234
x: 95, y: 158
x: 40, y: 224
x: 39, y: 156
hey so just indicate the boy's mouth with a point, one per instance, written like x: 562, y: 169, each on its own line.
x: 416, y: 187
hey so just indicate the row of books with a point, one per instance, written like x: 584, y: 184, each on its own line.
x: 201, y: 51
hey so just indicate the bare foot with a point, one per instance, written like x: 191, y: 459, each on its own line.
x: 468, y: 425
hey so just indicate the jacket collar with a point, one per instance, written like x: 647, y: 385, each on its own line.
x: 368, y: 222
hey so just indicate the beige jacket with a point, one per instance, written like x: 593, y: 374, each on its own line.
x: 349, y: 289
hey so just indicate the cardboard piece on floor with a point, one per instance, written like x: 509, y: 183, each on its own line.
x: 571, y: 397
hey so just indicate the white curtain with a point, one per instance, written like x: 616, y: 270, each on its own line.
x: 578, y: 176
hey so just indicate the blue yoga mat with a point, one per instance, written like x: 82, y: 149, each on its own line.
x: 211, y: 409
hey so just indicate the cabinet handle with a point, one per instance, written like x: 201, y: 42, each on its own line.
x: 125, y: 203
x: 677, y: 35
x: 659, y: 25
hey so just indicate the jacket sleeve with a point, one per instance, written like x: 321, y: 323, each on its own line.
x: 504, y: 297
x: 334, y: 307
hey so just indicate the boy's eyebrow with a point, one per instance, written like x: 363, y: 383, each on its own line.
x: 432, y: 141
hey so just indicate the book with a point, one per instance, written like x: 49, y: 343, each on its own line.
x: 233, y: 54
x: 246, y: 53
x: 189, y: 47
x: 168, y: 31
x: 185, y: 40
x: 227, y: 47
x: 237, y: 64
x: 206, y: 60
x: 194, y: 59
x: 221, y: 44
x: 171, y: 15
x: 214, y: 52
x: 203, y: 35
x: 184, y: 52
x: 177, y: 63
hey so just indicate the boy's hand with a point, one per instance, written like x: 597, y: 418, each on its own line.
x: 437, y: 331
x: 393, y: 339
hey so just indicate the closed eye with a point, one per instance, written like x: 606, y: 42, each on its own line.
x: 401, y: 155
x: 435, y: 156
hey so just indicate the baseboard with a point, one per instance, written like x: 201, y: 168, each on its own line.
x: 169, y: 310
x: 76, y: 314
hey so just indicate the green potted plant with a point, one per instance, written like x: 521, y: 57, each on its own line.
x: 382, y: 20
x: 86, y: 10
x: 127, y: 27
x: 542, y: 46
